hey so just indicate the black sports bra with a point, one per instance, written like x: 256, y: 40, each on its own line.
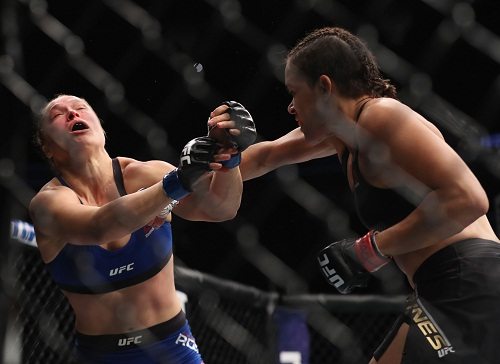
x: 377, y: 208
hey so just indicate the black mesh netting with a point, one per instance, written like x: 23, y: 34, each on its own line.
x: 232, y: 323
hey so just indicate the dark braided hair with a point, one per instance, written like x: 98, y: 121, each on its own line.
x: 345, y: 58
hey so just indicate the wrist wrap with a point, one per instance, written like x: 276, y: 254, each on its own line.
x: 368, y: 254
x: 233, y: 162
x: 173, y: 187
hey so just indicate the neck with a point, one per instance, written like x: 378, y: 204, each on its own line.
x: 362, y: 99
x: 91, y: 179
x: 350, y: 106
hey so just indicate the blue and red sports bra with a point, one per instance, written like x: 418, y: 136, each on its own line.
x: 91, y: 269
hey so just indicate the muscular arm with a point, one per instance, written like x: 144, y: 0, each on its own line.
x: 419, y: 157
x: 291, y: 148
x: 216, y: 197
x: 59, y: 216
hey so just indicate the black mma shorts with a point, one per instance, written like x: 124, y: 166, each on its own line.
x: 454, y: 314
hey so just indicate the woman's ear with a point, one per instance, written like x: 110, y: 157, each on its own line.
x: 45, y: 147
x: 326, y: 84
x: 46, y: 152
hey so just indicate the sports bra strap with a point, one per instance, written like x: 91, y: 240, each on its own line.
x: 65, y: 184
x: 117, y: 174
x: 361, y: 108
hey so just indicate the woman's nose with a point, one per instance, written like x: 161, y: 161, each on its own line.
x: 291, y: 109
x: 72, y: 114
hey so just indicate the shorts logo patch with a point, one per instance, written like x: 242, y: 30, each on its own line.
x: 187, y: 341
x: 431, y: 331
x: 130, y: 340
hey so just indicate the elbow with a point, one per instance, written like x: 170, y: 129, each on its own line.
x: 480, y: 204
x: 475, y: 205
x: 220, y: 218
x: 225, y: 215
x: 223, y: 218
x: 459, y: 207
x: 231, y: 214
x: 478, y: 200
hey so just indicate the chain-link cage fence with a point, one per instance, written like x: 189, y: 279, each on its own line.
x: 232, y: 323
x: 154, y: 69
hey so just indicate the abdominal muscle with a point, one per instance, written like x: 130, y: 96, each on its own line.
x: 129, y: 309
x: 410, y: 262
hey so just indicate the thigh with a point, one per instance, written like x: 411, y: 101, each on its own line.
x: 391, y: 349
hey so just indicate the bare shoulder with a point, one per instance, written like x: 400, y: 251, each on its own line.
x: 141, y: 174
x: 383, y: 112
x: 386, y: 115
x: 43, y: 209
x: 52, y: 190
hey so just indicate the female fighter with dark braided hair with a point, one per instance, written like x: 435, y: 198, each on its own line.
x: 422, y: 207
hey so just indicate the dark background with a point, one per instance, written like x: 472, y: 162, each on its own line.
x: 134, y: 61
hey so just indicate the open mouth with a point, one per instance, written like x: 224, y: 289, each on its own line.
x: 79, y: 126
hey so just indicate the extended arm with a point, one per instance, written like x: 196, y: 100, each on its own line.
x: 263, y: 157
x: 291, y: 148
x: 216, y: 197
x: 58, y: 214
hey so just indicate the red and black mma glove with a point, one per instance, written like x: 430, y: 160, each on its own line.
x: 244, y: 123
x: 194, y: 162
x: 346, y: 264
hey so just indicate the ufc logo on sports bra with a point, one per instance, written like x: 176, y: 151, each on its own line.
x: 119, y: 270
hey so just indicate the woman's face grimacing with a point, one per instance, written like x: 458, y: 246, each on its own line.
x: 69, y: 122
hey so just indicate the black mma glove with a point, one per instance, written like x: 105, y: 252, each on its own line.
x: 194, y: 162
x: 243, y: 122
x: 346, y: 264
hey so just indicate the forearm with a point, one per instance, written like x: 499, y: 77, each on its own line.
x: 346, y: 263
x: 227, y: 188
x: 263, y: 157
x: 219, y: 197
x: 253, y: 161
x: 59, y: 216
x: 129, y: 213
x: 439, y: 216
